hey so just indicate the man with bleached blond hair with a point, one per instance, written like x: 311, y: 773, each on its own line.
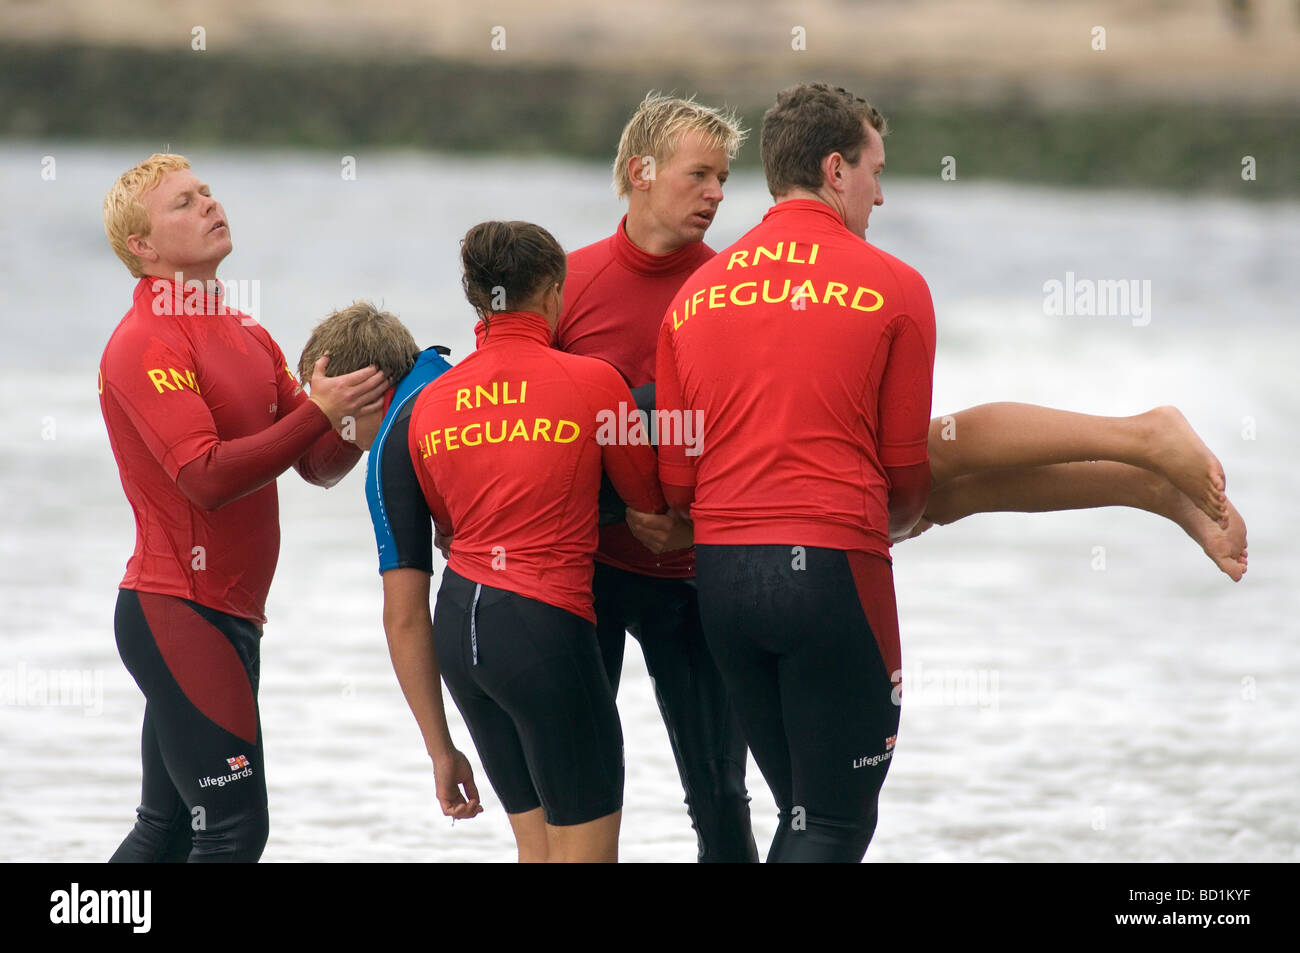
x: 202, y: 414
x: 673, y: 158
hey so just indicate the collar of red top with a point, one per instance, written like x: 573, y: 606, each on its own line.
x: 169, y: 297
x: 641, y: 262
x: 806, y: 205
x: 513, y: 326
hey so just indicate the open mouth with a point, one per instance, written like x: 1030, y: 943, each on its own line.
x: 217, y: 226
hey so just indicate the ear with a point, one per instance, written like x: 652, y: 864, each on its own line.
x: 833, y: 171
x: 641, y: 172
x: 141, y: 248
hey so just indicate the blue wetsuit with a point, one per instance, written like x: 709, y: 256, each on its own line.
x: 402, y: 522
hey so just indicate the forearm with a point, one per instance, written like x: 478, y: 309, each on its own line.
x: 231, y: 469
x: 410, y: 644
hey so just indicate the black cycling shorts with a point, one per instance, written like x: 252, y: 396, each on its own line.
x: 529, y: 681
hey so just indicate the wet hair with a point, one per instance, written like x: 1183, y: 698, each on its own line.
x: 657, y: 128
x: 506, y: 263
x: 808, y: 123
x: 124, y: 213
x: 356, y: 337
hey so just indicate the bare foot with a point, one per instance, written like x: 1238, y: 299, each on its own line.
x: 1179, y: 454
x: 1225, y: 546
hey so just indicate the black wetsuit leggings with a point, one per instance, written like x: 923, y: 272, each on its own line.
x: 807, y: 640
x: 204, y: 789
x: 705, y: 735
x: 527, y: 678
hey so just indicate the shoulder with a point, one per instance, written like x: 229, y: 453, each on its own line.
x: 141, y: 335
x: 583, y: 268
x: 591, y: 256
x: 900, y: 269
x: 589, y: 371
x: 585, y: 263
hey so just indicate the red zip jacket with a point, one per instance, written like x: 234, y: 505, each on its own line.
x: 202, y: 414
x: 806, y: 356
x: 614, y: 300
x: 506, y: 449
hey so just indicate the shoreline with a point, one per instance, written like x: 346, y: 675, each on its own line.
x: 80, y: 92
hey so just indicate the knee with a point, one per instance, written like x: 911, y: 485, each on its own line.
x: 804, y: 837
x: 239, y: 839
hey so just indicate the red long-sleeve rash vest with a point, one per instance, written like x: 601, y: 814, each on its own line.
x: 614, y: 300
x: 809, y: 355
x: 505, y: 445
x: 188, y: 384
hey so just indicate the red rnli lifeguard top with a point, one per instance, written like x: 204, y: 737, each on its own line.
x: 505, y: 448
x: 615, y: 295
x: 805, y: 356
x: 186, y: 384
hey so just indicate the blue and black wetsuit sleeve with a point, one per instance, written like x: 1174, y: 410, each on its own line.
x: 402, y: 521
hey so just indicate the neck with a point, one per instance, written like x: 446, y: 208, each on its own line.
x: 825, y: 196
x: 200, y: 273
x: 646, y: 234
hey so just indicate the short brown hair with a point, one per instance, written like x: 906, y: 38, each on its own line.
x: 657, y: 127
x: 506, y: 263
x: 356, y: 337
x: 808, y: 123
x: 125, y: 214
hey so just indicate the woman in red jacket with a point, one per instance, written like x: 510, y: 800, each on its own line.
x: 506, y: 446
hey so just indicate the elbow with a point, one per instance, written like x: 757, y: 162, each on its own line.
x: 403, y: 625
x: 404, y: 617
x: 903, y: 518
x: 327, y: 468
x: 909, y: 493
x: 207, y: 498
x: 323, y: 480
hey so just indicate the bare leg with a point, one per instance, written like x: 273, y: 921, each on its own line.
x: 595, y: 842
x: 1003, y: 435
x: 1073, y: 486
x: 530, y: 835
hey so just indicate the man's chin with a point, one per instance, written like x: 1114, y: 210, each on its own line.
x: 692, y: 233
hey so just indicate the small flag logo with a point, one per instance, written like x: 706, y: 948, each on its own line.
x: 889, y: 742
x: 237, y: 763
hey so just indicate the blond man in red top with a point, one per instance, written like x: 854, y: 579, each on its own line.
x: 202, y: 414
x: 673, y: 159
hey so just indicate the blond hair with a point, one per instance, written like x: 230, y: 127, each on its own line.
x: 356, y: 337
x: 657, y: 128
x: 124, y: 213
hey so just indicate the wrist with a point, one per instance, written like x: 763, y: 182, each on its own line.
x: 320, y: 405
x: 441, y: 749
